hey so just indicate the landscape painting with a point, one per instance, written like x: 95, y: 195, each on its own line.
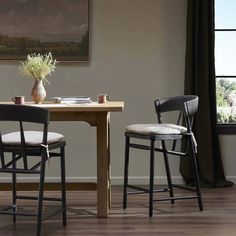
x: 40, y: 26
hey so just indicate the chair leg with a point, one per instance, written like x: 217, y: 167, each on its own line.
x: 63, y: 185
x: 14, y: 189
x: 40, y: 196
x: 126, y: 170
x: 167, y: 171
x: 151, y: 185
x: 195, y: 168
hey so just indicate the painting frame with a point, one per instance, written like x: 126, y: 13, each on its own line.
x: 69, y: 43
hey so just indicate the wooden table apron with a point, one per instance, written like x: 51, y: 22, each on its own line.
x: 97, y: 115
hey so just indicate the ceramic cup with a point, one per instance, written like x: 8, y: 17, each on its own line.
x: 103, y: 98
x: 18, y: 100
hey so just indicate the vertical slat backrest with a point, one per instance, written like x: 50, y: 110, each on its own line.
x: 21, y: 114
x: 177, y: 103
x: 190, y: 108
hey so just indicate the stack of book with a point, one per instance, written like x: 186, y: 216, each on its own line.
x: 72, y: 99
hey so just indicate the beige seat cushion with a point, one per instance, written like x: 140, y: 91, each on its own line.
x: 155, y: 129
x: 32, y: 138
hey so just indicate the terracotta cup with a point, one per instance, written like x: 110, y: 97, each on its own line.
x: 18, y: 100
x: 103, y: 98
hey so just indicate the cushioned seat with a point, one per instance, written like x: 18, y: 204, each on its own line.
x: 155, y: 129
x: 32, y: 138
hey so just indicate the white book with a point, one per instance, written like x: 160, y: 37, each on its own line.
x: 75, y: 98
x: 72, y: 99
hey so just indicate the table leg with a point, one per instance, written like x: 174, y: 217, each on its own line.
x: 103, y: 164
x: 109, y: 161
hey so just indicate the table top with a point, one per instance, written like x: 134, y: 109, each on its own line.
x: 112, y: 106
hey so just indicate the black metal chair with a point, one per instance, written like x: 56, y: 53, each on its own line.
x: 36, y: 146
x: 186, y: 107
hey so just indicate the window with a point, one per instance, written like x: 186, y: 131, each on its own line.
x: 225, y: 62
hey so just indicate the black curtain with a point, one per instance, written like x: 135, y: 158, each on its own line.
x: 200, y: 80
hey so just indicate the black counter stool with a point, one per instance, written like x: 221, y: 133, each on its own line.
x: 35, y: 146
x: 185, y: 107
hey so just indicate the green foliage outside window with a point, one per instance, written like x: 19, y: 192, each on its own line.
x: 226, y: 101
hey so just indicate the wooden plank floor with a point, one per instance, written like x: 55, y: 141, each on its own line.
x: 181, y: 219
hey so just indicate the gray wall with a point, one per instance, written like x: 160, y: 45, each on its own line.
x: 137, y: 55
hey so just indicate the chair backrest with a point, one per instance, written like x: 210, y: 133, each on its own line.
x: 186, y: 105
x: 22, y: 114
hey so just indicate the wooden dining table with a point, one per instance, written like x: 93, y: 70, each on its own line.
x: 97, y: 115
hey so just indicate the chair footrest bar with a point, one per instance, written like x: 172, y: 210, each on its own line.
x: 144, y: 190
x: 184, y: 187
x: 139, y: 146
x: 175, y: 153
x: 136, y: 192
x: 36, y: 198
x: 174, y: 198
x: 145, y: 147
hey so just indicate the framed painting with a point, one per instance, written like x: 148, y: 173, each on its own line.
x: 40, y: 26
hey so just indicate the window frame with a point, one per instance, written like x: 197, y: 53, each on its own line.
x: 228, y: 128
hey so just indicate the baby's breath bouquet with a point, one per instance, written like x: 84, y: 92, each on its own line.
x: 38, y: 66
